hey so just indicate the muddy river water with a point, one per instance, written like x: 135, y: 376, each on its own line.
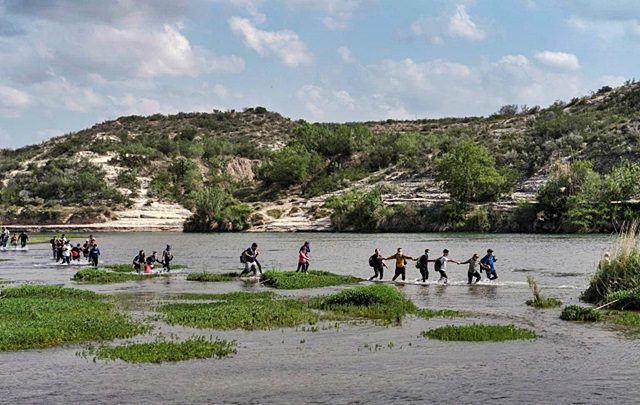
x: 356, y: 363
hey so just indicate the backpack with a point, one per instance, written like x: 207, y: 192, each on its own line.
x: 372, y: 260
x: 438, y: 264
x: 243, y: 258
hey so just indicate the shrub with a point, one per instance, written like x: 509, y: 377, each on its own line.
x: 468, y: 173
x: 357, y: 210
x: 215, y: 207
x: 332, y: 140
x: 292, y: 165
x: 579, y: 313
x: 619, y: 272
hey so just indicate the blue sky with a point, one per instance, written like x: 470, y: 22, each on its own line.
x: 67, y: 64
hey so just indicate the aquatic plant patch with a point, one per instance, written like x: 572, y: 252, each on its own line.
x: 162, y: 351
x: 375, y: 301
x: 290, y: 280
x: 240, y: 295
x: 479, y: 333
x: 619, y: 272
x: 128, y: 268
x: 97, y: 276
x: 580, y: 313
x: 627, y: 318
x: 213, y: 277
x: 248, y: 314
x: 624, y: 299
x: 426, y: 313
x: 43, y: 316
x: 539, y: 300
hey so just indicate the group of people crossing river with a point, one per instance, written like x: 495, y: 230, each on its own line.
x: 476, y: 265
x: 249, y: 258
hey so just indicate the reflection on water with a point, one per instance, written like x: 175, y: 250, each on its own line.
x: 569, y: 363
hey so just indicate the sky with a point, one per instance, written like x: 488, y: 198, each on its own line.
x: 68, y: 64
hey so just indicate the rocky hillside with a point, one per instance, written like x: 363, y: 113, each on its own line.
x: 260, y: 171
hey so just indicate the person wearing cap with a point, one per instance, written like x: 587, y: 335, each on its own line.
x: 488, y: 260
x: 475, y: 267
x: 167, y: 256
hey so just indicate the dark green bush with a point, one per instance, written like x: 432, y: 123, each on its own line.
x: 578, y: 313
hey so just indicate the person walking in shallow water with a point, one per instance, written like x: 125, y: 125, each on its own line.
x: 303, y: 258
x: 423, y: 262
x: 475, y: 267
x: 401, y: 261
x: 376, y: 261
x: 488, y: 260
x: 441, y: 265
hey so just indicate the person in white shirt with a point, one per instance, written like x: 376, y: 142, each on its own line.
x: 441, y: 265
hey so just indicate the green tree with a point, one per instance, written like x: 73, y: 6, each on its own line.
x: 357, y: 210
x: 468, y: 173
x: 292, y: 165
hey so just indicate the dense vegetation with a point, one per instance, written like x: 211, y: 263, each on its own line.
x: 221, y: 164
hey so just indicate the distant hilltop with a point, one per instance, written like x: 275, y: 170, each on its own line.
x: 257, y: 170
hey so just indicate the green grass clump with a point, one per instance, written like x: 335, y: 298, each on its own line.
x: 43, y: 316
x: 626, y: 318
x: 579, y: 313
x: 97, y: 276
x: 213, y: 277
x: 624, y: 299
x: 375, y: 301
x: 128, y: 268
x: 438, y: 313
x: 620, y: 271
x: 479, y: 333
x: 248, y: 314
x: 290, y: 280
x: 540, y: 301
x: 163, y: 351
x: 241, y: 295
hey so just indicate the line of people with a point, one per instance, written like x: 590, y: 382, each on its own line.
x: 7, y: 237
x: 64, y: 251
x: 249, y: 258
x: 476, y: 265
x: 149, y: 261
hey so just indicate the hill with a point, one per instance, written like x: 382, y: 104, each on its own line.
x: 257, y: 170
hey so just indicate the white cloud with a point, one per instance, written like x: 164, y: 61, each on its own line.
x: 339, y: 13
x: 607, y: 20
x: 558, y: 60
x: 59, y: 92
x: 12, y: 98
x: 458, y: 25
x: 461, y: 26
x: 251, y: 7
x: 319, y: 101
x: 285, y: 44
x: 345, y: 54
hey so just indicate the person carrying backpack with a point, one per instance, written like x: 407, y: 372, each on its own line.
x: 250, y: 259
x: 376, y: 261
x: 440, y: 265
x: 422, y: 265
x: 401, y: 261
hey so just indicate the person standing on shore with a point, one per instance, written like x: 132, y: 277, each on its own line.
x: 488, y: 260
x: 376, y: 261
x: 401, y: 261
x: 422, y: 265
x: 441, y: 265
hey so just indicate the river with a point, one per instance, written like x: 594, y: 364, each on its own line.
x: 568, y: 363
